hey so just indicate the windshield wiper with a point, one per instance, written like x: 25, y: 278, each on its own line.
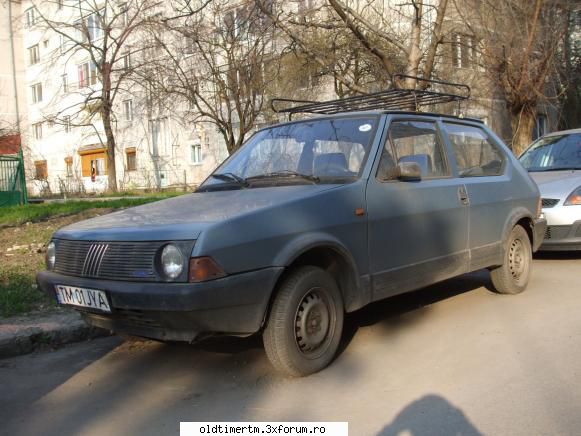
x: 565, y: 168
x: 285, y: 174
x: 230, y: 177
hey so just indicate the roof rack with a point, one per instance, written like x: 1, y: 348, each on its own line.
x: 391, y: 99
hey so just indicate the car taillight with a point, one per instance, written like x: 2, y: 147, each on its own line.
x: 204, y: 268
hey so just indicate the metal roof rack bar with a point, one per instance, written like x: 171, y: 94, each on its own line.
x: 391, y: 99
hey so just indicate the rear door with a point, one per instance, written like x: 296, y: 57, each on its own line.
x: 482, y: 167
x: 418, y: 231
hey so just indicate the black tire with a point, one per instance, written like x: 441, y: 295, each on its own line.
x: 514, y: 274
x: 305, y: 322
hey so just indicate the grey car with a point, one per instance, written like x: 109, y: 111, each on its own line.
x: 309, y: 220
x: 554, y: 163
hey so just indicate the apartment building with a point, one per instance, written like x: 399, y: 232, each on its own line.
x: 65, y: 140
x: 161, y: 142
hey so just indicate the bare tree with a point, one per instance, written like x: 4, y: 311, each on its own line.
x: 571, y: 71
x: 221, y: 63
x: 520, y: 42
x: 388, y: 40
x: 106, y: 37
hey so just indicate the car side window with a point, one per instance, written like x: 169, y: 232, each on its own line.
x: 413, y: 141
x: 476, y: 155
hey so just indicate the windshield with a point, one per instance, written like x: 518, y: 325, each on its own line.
x: 311, y: 151
x: 552, y: 153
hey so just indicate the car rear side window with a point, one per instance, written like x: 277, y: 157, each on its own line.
x: 476, y: 155
x: 413, y: 141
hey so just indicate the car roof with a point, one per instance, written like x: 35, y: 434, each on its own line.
x: 377, y: 113
x: 564, y: 132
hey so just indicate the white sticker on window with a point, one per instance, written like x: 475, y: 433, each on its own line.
x: 365, y: 128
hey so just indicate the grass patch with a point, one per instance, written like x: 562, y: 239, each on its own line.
x: 17, y: 215
x: 19, y: 294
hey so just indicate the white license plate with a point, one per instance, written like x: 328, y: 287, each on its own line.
x: 82, y: 297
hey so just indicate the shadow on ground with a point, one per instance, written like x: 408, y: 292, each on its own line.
x: 431, y: 415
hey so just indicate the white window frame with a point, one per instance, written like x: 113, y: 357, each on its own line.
x: 33, y: 54
x: 196, y: 156
x: 31, y: 19
x: 89, y: 74
x: 37, y: 129
x: 36, y: 92
x: 128, y: 110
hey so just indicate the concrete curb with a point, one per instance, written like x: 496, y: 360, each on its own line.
x: 25, y: 334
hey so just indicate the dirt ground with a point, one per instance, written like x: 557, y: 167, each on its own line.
x: 22, y: 251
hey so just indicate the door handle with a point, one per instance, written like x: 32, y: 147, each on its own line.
x: 463, y: 195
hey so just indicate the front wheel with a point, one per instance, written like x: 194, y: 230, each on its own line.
x: 305, y: 322
x: 513, y: 276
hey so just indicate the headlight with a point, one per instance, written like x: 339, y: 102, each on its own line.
x: 50, y: 255
x: 575, y: 198
x: 172, y: 261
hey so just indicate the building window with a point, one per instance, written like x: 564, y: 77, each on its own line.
x: 69, y: 166
x: 540, y: 126
x: 94, y: 161
x: 87, y: 74
x: 126, y: 62
x: 91, y: 28
x: 33, y: 55
x: 67, y: 123
x: 196, y: 154
x: 36, y: 92
x: 40, y: 170
x: 37, y: 130
x: 31, y: 17
x: 123, y: 14
x: 128, y: 110
x: 463, y: 51
x: 131, y: 156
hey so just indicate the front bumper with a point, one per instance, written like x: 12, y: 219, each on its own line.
x: 235, y: 304
x: 539, y: 230
x: 562, y: 237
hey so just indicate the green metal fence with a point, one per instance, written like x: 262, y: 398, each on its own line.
x: 12, y: 180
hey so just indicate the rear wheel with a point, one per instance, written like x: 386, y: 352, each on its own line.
x: 513, y: 276
x: 305, y: 322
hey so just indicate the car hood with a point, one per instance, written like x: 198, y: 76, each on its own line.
x: 184, y: 217
x: 557, y: 184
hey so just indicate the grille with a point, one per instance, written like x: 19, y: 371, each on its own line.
x: 549, y: 202
x: 107, y: 260
x: 557, y: 232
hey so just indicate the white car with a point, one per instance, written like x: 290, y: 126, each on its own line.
x: 554, y: 163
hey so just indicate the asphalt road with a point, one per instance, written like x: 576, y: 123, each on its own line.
x: 452, y: 359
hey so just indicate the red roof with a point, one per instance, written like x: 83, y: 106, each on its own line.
x: 10, y: 144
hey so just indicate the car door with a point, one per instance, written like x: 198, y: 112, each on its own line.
x: 417, y: 230
x: 482, y: 167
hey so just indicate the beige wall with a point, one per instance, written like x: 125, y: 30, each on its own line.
x: 8, y: 66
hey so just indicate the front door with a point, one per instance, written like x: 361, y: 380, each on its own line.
x: 418, y: 230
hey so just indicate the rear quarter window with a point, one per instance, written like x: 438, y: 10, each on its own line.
x: 476, y: 155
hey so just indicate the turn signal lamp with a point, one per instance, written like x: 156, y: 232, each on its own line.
x: 203, y: 269
x: 575, y: 198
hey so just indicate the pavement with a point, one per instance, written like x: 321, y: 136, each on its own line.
x: 450, y: 359
x: 43, y: 330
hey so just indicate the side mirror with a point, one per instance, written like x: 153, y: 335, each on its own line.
x: 407, y: 172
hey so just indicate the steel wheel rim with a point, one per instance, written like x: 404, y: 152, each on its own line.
x: 517, y: 260
x: 314, y: 323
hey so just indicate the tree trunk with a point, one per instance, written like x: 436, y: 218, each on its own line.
x: 523, y: 124
x: 106, y: 111
x: 111, y: 170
